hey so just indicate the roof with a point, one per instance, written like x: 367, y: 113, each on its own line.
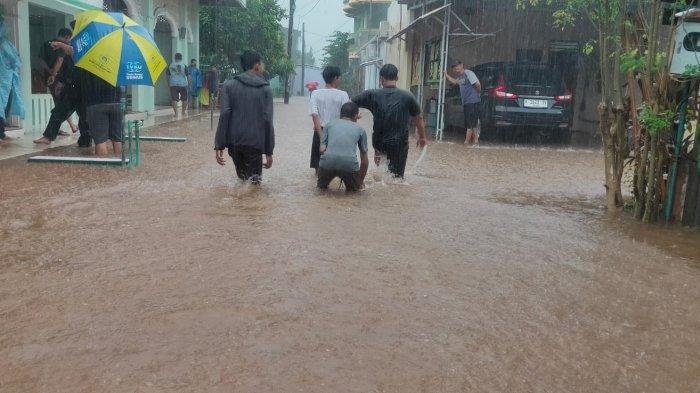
x: 224, y: 3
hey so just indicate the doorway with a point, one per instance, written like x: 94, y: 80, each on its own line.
x: 164, y: 39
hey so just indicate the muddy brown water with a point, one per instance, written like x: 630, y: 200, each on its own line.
x: 490, y: 270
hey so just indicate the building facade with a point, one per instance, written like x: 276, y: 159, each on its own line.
x: 368, y: 51
x: 30, y: 23
x: 432, y: 34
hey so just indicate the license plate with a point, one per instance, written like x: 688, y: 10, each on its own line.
x: 535, y: 103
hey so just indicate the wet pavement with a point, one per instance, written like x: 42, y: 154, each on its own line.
x: 21, y: 141
x: 493, y: 269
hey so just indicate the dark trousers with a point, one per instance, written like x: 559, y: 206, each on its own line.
x: 248, y: 162
x: 315, y: 151
x: 351, y: 179
x: 396, y: 154
x: 4, y: 116
x: 66, y: 103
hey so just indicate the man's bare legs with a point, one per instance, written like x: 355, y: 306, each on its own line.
x: 184, y: 106
x: 101, y: 149
x: 175, y: 107
x: 72, y: 125
x: 470, y: 136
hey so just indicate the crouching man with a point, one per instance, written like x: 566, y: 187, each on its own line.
x: 341, y: 139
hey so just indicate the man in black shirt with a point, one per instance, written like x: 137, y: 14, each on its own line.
x: 394, y: 111
x: 104, y: 111
x: 63, y: 82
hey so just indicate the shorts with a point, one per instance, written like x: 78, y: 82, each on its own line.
x: 178, y: 93
x: 471, y: 115
x: 105, y: 122
x: 350, y: 179
x: 397, y: 154
x: 248, y: 162
x: 315, y: 151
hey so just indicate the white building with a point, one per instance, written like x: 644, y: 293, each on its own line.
x: 173, y: 23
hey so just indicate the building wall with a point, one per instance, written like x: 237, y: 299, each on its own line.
x: 177, y: 14
x: 396, y: 51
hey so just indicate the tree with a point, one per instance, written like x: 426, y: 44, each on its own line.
x: 337, y: 53
x: 633, y: 67
x: 225, y: 32
x: 628, y: 54
x: 309, y: 58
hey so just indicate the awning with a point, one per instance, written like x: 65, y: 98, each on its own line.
x: 421, y: 18
x: 224, y: 3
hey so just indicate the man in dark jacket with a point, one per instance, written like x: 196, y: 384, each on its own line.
x: 245, y: 126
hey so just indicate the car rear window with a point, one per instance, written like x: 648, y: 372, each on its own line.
x: 534, y: 76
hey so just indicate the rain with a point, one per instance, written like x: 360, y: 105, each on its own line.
x: 196, y: 226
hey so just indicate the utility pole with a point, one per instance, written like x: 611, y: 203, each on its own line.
x: 290, y: 41
x: 303, y: 56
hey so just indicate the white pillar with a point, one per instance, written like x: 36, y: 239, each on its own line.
x: 25, y: 56
x: 144, y: 96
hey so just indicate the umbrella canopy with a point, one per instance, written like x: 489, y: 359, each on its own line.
x: 115, y: 48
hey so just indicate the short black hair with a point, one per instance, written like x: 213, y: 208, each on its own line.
x: 349, y: 110
x: 195, y: 60
x: 72, y: 24
x: 178, y: 56
x: 249, y: 59
x: 389, y: 72
x: 64, y: 32
x: 457, y: 63
x: 330, y: 73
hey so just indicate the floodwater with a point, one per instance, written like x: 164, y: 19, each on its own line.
x: 489, y: 270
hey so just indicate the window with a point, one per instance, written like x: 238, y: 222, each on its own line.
x: 43, y: 26
x: 691, y: 42
x: 432, y: 61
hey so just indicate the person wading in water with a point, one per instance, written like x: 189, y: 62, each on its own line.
x: 394, y: 110
x: 245, y: 126
x: 324, y: 107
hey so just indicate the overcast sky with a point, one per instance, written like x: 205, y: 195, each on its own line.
x: 322, y: 18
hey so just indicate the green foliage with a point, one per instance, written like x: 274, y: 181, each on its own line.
x: 338, y: 50
x: 692, y: 71
x: 226, y: 32
x: 655, y: 122
x: 632, y: 61
x: 284, y: 66
x: 337, y: 53
x: 636, y: 62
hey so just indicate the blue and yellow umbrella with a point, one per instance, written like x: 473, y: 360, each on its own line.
x: 115, y: 48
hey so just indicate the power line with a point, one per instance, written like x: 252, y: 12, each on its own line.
x: 302, y: 8
x: 312, y: 8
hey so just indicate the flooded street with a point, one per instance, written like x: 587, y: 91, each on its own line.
x: 490, y: 270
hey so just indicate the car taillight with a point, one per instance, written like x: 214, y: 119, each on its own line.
x: 501, y: 93
x: 564, y: 98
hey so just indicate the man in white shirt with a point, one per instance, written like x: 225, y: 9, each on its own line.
x: 325, y: 106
